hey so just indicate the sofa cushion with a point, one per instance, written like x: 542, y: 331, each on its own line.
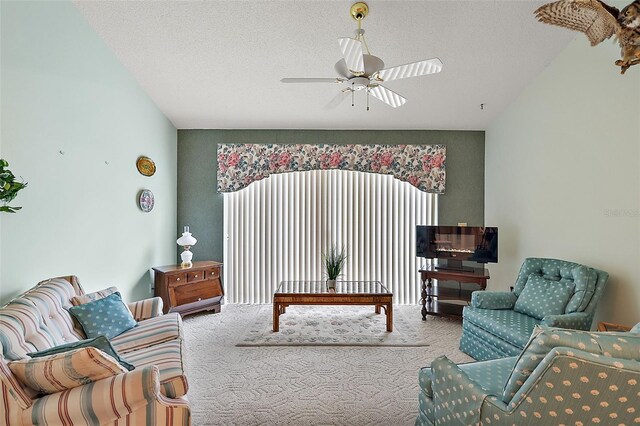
x: 90, y: 297
x: 52, y: 299
x: 108, y: 317
x: 508, y: 325
x: 543, y: 339
x: 99, y: 342
x: 585, y: 280
x: 541, y: 297
x: 167, y: 356
x: 59, y: 372
x: 22, y: 330
x: 490, y: 375
x: 149, y: 332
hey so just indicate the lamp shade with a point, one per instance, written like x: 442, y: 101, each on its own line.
x: 186, y: 239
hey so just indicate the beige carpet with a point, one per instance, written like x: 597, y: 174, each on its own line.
x: 305, y: 385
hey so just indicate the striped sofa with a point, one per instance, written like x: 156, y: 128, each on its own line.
x: 154, y: 393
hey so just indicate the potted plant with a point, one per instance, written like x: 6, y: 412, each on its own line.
x: 333, y: 263
x: 9, y: 187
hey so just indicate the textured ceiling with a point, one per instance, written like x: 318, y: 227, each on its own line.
x: 218, y: 64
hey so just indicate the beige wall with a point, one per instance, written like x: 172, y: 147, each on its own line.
x: 63, y: 90
x: 563, y: 174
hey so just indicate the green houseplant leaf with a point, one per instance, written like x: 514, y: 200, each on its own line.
x: 334, y: 261
x: 9, y: 187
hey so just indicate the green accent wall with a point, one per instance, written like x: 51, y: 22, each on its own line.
x: 201, y: 207
x: 74, y: 121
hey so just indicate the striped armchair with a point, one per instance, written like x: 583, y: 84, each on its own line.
x: 153, y: 393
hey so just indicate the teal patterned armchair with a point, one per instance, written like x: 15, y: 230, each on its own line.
x: 561, y: 377
x: 549, y: 292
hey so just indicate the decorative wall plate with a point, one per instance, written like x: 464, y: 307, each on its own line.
x: 146, y: 166
x: 146, y: 200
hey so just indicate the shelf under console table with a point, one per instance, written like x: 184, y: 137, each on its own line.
x: 433, y: 295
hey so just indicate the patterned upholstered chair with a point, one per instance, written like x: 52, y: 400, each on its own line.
x: 561, y: 377
x: 549, y: 292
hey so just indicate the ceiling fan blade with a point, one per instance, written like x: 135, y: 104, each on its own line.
x: 312, y: 80
x: 352, y: 52
x: 414, y: 69
x: 337, y: 99
x: 387, y: 96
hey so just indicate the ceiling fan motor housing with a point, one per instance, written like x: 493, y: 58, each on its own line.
x: 372, y: 64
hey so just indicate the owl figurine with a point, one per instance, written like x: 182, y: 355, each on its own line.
x: 599, y: 21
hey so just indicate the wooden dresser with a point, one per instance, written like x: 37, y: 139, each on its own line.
x: 190, y: 290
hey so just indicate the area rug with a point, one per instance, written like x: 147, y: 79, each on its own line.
x: 332, y: 326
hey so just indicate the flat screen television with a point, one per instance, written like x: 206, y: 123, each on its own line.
x: 456, y: 244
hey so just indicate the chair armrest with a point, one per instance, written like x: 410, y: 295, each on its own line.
x: 126, y: 393
x: 493, y: 299
x: 457, y: 399
x: 145, y: 309
x: 574, y: 320
x: 11, y: 387
x: 563, y: 363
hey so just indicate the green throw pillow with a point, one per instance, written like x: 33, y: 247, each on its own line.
x: 99, y: 342
x: 108, y: 317
x: 542, y: 297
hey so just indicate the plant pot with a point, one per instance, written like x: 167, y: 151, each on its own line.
x: 331, y: 284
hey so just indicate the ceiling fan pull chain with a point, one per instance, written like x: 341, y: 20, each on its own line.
x: 352, y: 96
x: 368, y: 98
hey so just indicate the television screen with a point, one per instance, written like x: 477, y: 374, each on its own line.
x: 471, y: 243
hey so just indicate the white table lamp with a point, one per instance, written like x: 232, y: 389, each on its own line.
x: 186, y: 241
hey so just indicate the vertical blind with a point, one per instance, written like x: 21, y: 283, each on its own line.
x: 277, y: 229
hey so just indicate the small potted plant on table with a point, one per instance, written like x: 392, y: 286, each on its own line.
x: 333, y: 262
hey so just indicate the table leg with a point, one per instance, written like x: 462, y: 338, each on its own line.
x: 423, y: 299
x: 276, y: 317
x: 389, y: 312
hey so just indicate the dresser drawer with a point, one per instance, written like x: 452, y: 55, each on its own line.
x: 194, y: 292
x: 195, y: 276
x: 212, y: 273
x: 177, y: 278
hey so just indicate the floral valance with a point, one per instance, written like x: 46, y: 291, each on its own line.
x: 423, y: 166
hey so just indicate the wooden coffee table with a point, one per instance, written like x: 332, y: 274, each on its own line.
x: 345, y: 293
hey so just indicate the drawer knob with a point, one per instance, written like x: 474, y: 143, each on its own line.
x: 195, y: 276
x: 199, y: 299
x: 177, y: 279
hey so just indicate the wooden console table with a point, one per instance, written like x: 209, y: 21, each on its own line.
x: 432, y: 293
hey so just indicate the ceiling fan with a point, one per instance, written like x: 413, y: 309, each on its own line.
x: 363, y: 71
